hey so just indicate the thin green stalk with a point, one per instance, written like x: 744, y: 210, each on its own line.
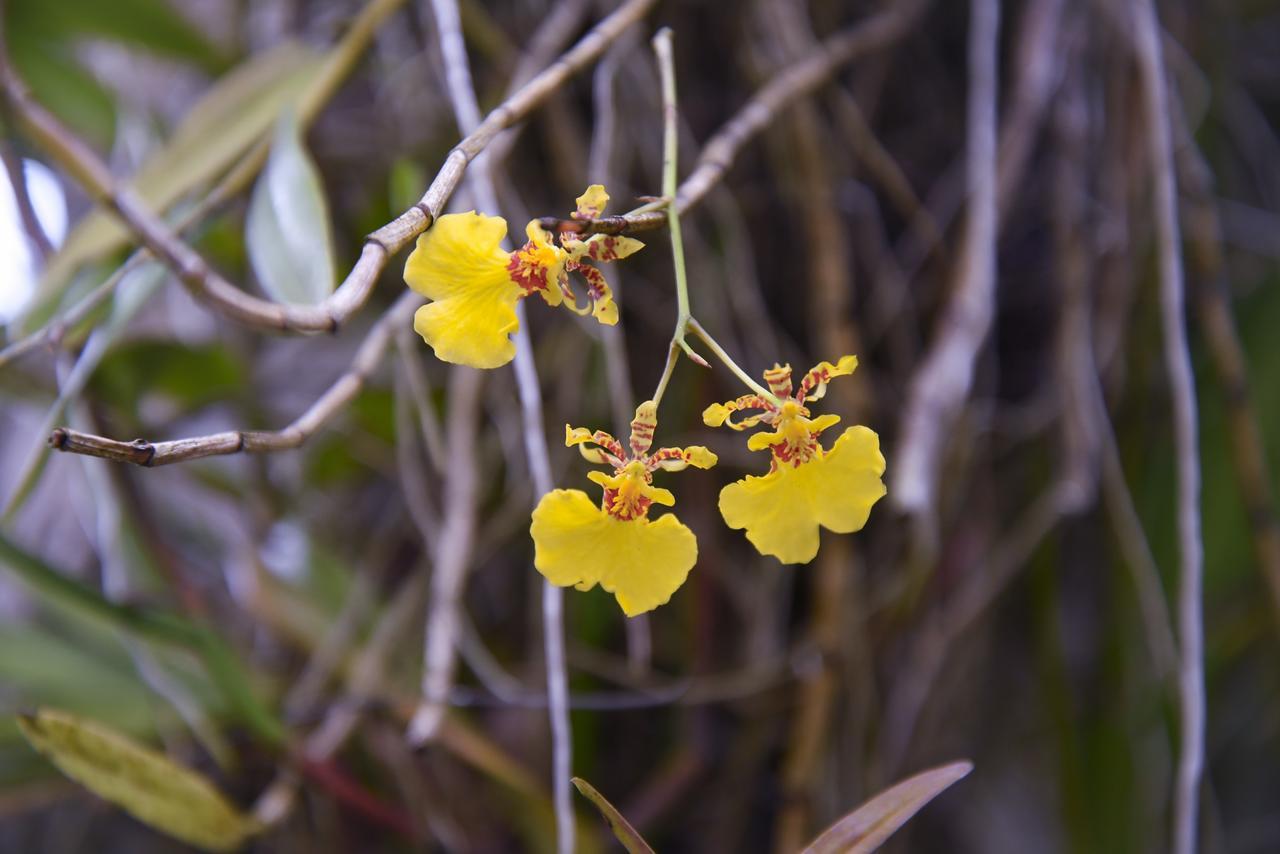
x: 685, y: 321
x: 670, y: 182
x: 728, y: 361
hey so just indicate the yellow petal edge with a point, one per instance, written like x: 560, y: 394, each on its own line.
x: 642, y: 562
x: 459, y: 264
x: 783, y: 510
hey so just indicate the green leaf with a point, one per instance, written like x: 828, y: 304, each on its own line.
x: 287, y: 229
x: 141, y: 781
x: 76, y: 669
x: 866, y: 828
x: 622, y: 829
x: 233, y: 115
x: 134, y: 291
x: 70, y: 92
x: 152, y: 25
x: 74, y: 597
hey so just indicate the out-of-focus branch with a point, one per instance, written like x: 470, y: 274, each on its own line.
x: 1218, y: 325
x: 441, y: 640
x: 1177, y: 355
x: 942, y: 383
x: 454, y: 548
x: 210, y: 287
x: 452, y: 556
x: 940, y: 632
x: 145, y: 453
x: 36, y: 237
x: 883, y: 167
x: 51, y: 333
x: 838, y: 636
x: 718, y: 154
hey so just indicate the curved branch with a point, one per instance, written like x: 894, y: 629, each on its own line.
x: 150, y: 454
x: 722, y: 149
x: 214, y: 291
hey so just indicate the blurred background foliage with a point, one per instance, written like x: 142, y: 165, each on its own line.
x: 242, y: 597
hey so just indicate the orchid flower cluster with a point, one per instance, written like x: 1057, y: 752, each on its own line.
x: 473, y: 285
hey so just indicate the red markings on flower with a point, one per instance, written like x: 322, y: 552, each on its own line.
x: 779, y: 379
x: 813, y: 379
x: 527, y: 270
x: 597, y: 287
x: 794, y: 451
x: 611, y: 446
x: 603, y: 249
x: 625, y: 507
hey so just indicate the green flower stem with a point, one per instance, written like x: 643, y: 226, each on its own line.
x: 685, y: 321
x: 696, y: 328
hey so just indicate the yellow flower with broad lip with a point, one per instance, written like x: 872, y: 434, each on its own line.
x: 474, y: 285
x: 615, y: 544
x: 807, y: 487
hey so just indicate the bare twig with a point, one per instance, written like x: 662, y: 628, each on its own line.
x: 552, y: 597
x: 211, y: 288
x: 940, y: 633
x: 36, y: 237
x: 720, y: 151
x: 883, y: 167
x: 810, y: 751
x: 52, y: 333
x: 1182, y: 385
x: 943, y: 381
x: 452, y: 556
x: 406, y: 226
x: 145, y: 453
x: 430, y: 714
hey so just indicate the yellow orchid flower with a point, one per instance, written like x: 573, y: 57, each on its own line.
x: 474, y: 285
x: 807, y: 487
x: 615, y: 544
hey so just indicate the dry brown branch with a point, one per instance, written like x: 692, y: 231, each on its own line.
x: 146, y: 453
x: 211, y: 288
x: 454, y: 548
x: 830, y: 269
x: 1177, y: 356
x: 883, y: 168
x: 142, y: 452
x: 722, y: 148
x: 939, y: 633
x: 452, y: 555
x: 36, y: 238
x: 459, y: 530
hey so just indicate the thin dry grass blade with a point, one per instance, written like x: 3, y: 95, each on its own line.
x: 622, y: 829
x: 866, y: 828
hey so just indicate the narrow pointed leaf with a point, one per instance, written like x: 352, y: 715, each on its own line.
x: 236, y: 112
x: 866, y: 828
x: 287, y: 229
x: 133, y: 293
x: 145, y: 783
x: 622, y: 829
